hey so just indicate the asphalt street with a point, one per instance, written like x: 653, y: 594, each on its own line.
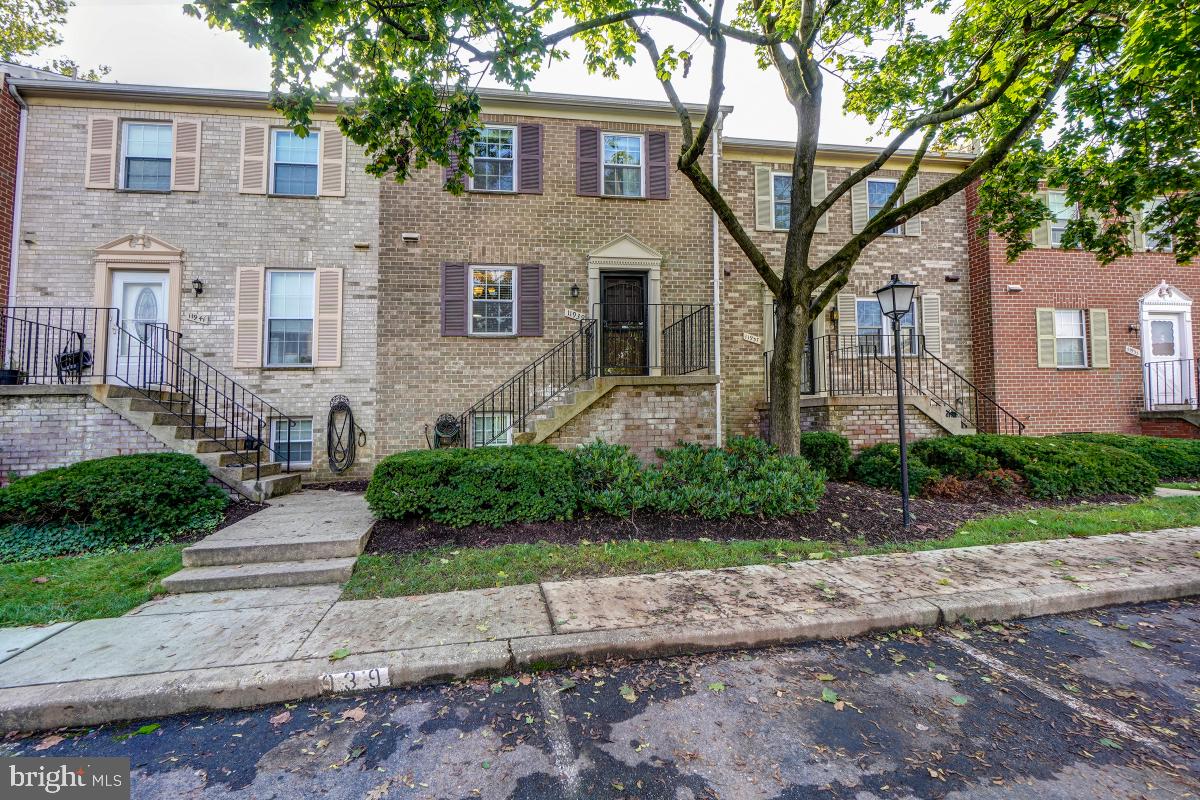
x: 1101, y: 704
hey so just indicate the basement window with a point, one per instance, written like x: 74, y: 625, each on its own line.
x: 491, y: 429
x: 299, y: 446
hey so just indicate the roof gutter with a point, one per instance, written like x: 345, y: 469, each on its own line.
x: 716, y: 275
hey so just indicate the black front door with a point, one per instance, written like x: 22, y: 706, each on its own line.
x: 623, y: 322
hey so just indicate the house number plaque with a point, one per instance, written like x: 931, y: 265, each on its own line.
x: 358, y: 680
x: 199, y: 317
x: 751, y: 338
x: 578, y: 316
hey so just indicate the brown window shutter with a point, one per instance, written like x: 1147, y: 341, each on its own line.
x: 327, y: 321
x: 454, y: 300
x: 529, y: 300
x: 332, y: 164
x: 185, y: 163
x: 248, y: 317
x: 658, y: 167
x: 254, y: 158
x: 587, y: 162
x: 101, y: 169
x: 529, y: 159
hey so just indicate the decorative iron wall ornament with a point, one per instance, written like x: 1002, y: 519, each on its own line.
x: 343, y: 436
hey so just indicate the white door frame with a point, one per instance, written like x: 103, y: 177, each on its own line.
x: 1164, y: 300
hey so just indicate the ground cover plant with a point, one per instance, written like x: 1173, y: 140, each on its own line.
x: 107, y: 504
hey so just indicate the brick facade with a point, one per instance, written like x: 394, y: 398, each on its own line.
x: 936, y: 260
x: 10, y: 127
x: 46, y: 427
x: 868, y: 421
x: 422, y: 373
x: 645, y: 418
x: 218, y: 230
x: 1004, y: 299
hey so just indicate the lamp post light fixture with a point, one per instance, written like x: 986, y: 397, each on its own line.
x: 895, y: 300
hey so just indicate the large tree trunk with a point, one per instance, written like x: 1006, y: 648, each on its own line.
x: 787, y: 363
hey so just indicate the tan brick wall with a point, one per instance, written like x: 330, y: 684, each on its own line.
x: 219, y: 230
x: 870, y: 422
x: 939, y: 252
x: 645, y: 418
x: 40, y: 431
x: 423, y: 374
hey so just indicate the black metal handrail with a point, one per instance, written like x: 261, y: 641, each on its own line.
x: 508, y: 407
x: 863, y: 365
x: 653, y: 338
x: 56, y: 344
x: 1170, y: 385
x: 152, y: 359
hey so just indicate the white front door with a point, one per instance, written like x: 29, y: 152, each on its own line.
x: 141, y: 297
x: 1168, y: 370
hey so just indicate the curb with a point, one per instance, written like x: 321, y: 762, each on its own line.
x: 94, y: 702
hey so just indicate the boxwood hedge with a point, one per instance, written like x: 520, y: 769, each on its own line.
x: 1175, y: 459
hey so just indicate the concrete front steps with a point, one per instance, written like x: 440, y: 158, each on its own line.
x: 167, y: 417
x: 302, y: 539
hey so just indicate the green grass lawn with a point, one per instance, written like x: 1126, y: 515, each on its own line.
x: 449, y: 569
x: 1189, y: 485
x: 83, y: 587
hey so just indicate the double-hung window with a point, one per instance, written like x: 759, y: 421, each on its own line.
x: 1156, y: 238
x: 875, y: 330
x: 493, y: 301
x: 1070, y: 341
x: 490, y: 429
x: 289, y: 318
x: 294, y: 163
x: 146, y: 156
x: 1061, y: 212
x: 494, y: 160
x: 292, y: 440
x: 623, y: 174
x: 878, y: 192
x: 781, y: 200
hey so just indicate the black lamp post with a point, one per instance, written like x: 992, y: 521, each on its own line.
x: 895, y: 300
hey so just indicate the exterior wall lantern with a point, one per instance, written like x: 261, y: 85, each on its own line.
x: 197, y: 286
x: 574, y: 291
x: 895, y: 299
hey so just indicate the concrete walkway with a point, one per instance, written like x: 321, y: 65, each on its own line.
x: 243, y: 648
x: 302, y: 539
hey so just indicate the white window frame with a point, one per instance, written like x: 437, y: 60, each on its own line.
x: 314, y: 134
x: 1083, y: 338
x: 887, y: 340
x: 471, y: 299
x: 897, y: 230
x: 121, y: 165
x: 495, y: 442
x: 641, y: 167
x: 266, y: 319
x: 515, y: 161
x: 1148, y: 234
x: 275, y: 440
x: 1053, y: 223
x: 774, y: 216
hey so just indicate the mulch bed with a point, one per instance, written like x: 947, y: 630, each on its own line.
x: 359, y: 486
x: 847, y: 511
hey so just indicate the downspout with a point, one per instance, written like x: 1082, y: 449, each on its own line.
x: 14, y: 245
x: 716, y: 280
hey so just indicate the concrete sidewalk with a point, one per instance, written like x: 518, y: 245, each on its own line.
x: 242, y: 648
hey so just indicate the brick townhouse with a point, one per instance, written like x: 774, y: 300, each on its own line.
x: 198, y: 276
x: 1066, y: 344
x: 189, y: 240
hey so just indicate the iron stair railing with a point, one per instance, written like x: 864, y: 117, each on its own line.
x: 506, y: 410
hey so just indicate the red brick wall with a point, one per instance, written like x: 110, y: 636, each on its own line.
x: 1004, y: 330
x: 10, y: 120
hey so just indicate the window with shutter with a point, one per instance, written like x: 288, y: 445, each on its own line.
x: 254, y: 159
x: 658, y: 168
x: 454, y: 299
x: 185, y: 175
x: 587, y: 162
x: 248, y: 317
x: 529, y: 300
x: 333, y: 161
x: 101, y: 167
x: 328, y: 324
x: 529, y: 159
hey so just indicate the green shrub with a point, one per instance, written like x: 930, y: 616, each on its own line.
x: 1174, y: 459
x: 611, y: 480
x: 827, y: 451
x: 1052, y: 466
x: 122, y: 501
x: 879, y: 466
x: 749, y: 477
x: 485, y: 485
